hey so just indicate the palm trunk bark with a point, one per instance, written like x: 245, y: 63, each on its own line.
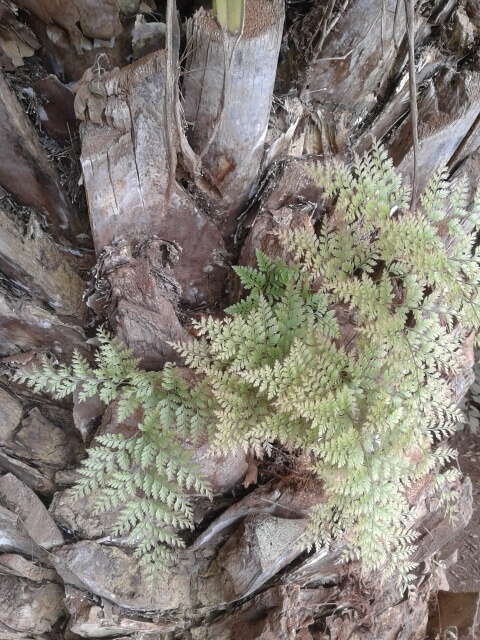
x: 192, y: 157
x: 228, y: 86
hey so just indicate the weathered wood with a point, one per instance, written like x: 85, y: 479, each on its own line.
x: 73, y: 34
x: 291, y: 200
x: 20, y: 499
x: 25, y: 170
x: 397, y: 106
x: 79, y: 18
x: 16, y: 40
x: 37, y: 480
x: 102, y: 620
x: 279, y: 612
x: 449, y: 110
x: 131, y: 186
x: 29, y: 609
x: 138, y: 294
x: 353, y: 55
x: 33, y: 261
x: 27, y: 329
x: 354, y: 83
x: 228, y: 87
x: 347, y: 55
x: 36, y: 439
x: 124, y: 149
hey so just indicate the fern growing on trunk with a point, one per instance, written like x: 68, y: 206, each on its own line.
x: 149, y: 476
x: 345, y: 353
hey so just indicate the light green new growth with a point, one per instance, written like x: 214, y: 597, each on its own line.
x: 229, y: 13
x: 344, y: 354
x: 147, y: 476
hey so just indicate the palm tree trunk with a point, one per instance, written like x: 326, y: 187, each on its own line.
x: 192, y: 156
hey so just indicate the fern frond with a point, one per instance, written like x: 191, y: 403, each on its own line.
x: 344, y: 354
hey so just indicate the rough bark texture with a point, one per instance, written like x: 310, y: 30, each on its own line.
x: 139, y: 294
x: 17, y: 41
x: 130, y: 178
x: 73, y: 34
x: 25, y: 170
x: 228, y: 89
x: 36, y: 263
x: 165, y: 202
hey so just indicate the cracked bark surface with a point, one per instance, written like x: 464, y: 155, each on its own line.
x: 227, y: 100
x: 170, y: 208
x: 25, y: 170
x: 131, y: 190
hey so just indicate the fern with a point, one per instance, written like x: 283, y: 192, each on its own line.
x: 366, y: 397
x: 345, y: 354
x: 148, y: 477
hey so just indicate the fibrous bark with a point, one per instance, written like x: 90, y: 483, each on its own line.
x: 450, y: 115
x: 25, y: 170
x: 228, y: 87
x: 130, y: 180
x: 162, y: 214
x: 136, y: 290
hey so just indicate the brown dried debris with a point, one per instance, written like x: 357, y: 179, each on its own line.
x: 136, y: 290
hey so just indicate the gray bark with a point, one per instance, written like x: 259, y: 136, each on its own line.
x: 164, y: 205
x: 228, y: 87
